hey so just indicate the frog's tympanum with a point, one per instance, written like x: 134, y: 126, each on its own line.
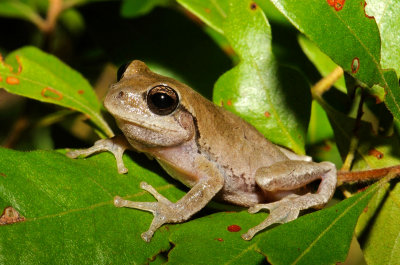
x: 210, y: 150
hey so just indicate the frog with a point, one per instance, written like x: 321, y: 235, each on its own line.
x: 216, y: 154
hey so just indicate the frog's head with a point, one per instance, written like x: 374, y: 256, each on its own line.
x: 150, y: 108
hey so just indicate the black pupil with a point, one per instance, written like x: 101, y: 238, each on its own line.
x: 121, y: 71
x: 162, y: 100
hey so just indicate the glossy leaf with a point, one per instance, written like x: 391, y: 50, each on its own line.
x: 213, y: 13
x: 386, y: 14
x: 68, y: 206
x: 302, y: 241
x: 379, y: 230
x: 257, y: 89
x: 349, y: 36
x: 32, y: 73
x: 321, y: 61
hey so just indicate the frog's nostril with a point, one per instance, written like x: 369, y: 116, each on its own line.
x: 120, y: 94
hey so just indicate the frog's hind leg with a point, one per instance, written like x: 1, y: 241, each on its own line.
x: 290, y: 175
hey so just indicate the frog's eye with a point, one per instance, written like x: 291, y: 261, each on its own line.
x: 162, y: 100
x: 121, y: 70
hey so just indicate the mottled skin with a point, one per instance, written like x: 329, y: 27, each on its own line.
x: 212, y: 151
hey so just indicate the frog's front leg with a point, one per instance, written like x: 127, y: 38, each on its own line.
x: 290, y: 175
x: 116, y: 145
x: 165, y: 211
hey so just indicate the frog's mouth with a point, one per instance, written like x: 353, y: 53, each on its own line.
x: 143, y: 125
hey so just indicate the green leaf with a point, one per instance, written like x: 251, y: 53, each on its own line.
x: 386, y: 14
x: 322, y: 62
x: 302, y: 241
x: 257, y: 89
x: 17, y: 9
x: 32, y: 73
x: 319, y: 128
x: 350, y: 37
x: 212, y: 12
x: 69, y: 213
x: 136, y: 8
x: 378, y: 230
x: 373, y: 151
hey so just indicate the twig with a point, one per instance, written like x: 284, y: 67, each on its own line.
x: 327, y: 82
x: 355, y: 138
x: 367, y: 175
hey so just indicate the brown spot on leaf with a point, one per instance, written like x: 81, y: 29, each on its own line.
x: 51, y: 93
x: 234, y: 228
x: 11, y: 80
x: 267, y: 114
x: 19, y: 64
x: 208, y: 11
x: 355, y: 65
x: 376, y: 153
x: 219, y: 239
x: 222, y: 103
x: 3, y: 175
x: 365, y: 209
x: 327, y: 147
x: 377, y: 99
x: 253, y: 6
x: 10, y: 216
x: 365, y: 12
x: 228, y: 50
x: 229, y: 102
x: 80, y: 92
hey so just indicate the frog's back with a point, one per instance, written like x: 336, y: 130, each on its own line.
x: 237, y: 148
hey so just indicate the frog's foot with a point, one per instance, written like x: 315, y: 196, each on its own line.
x: 164, y: 211
x: 282, y: 211
x: 116, y: 145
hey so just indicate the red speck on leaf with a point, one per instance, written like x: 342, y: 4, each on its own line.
x: 1, y: 78
x: 207, y: 10
x: 11, y: 80
x: 49, y: 92
x: 331, y: 2
x: 234, y: 228
x: 376, y: 153
x: 355, y: 65
x: 229, y: 102
x: 267, y: 114
x: 365, y: 209
x: 327, y: 147
x: 339, y: 4
x: 219, y: 239
x: 10, y: 216
x: 80, y: 92
x: 365, y: 12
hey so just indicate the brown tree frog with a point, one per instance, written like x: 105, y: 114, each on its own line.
x: 210, y: 150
